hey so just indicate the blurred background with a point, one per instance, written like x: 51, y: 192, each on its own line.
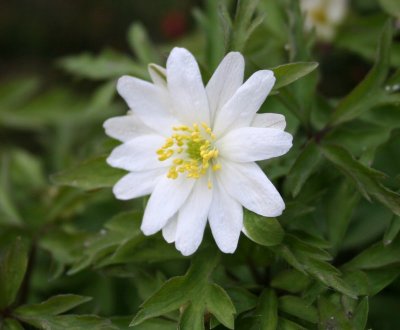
x: 33, y: 33
x: 59, y: 61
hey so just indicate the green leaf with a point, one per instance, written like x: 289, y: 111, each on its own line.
x: 11, y: 324
x: 331, y: 317
x: 290, y: 280
x: 53, y: 306
x: 92, y: 174
x: 309, y: 259
x: 108, y: 65
x: 262, y: 230
x: 392, y: 231
x: 211, y: 24
x: 153, y: 324
x: 379, y: 279
x: 165, y: 300
x: 305, y: 249
x: 286, y: 74
x: 243, y: 299
x: 366, y: 95
x: 367, y: 180
x: 141, y: 45
x: 244, y: 24
x: 295, y: 306
x: 220, y: 305
x: 325, y: 273
x: 17, y: 91
x: 376, y: 256
x: 308, y: 160
x: 267, y: 310
x: 360, y: 316
x: 338, y: 218
x: 121, y: 229
x: 285, y: 324
x: 76, y: 322
x: 13, y: 264
x: 192, y: 318
x: 194, y: 293
x: 392, y: 7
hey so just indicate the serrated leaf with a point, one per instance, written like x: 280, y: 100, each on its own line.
x: 367, y: 180
x: 310, y: 262
x: 302, y: 168
x: 121, y: 229
x: 53, y: 306
x: 168, y: 298
x: 326, y: 273
x: 92, y: 174
x: 306, y: 250
x: 13, y: 264
x: 364, y: 96
x: 262, y: 230
x: 295, y: 306
x: 193, y: 293
x: 288, y: 73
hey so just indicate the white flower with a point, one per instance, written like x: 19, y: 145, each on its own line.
x: 324, y: 16
x: 194, y: 149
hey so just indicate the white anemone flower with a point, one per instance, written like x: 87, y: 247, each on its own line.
x: 324, y: 16
x: 194, y: 148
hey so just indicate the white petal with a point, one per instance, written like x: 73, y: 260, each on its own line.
x: 239, y: 111
x: 336, y: 10
x: 226, y: 219
x: 124, y: 128
x: 248, y: 184
x: 137, y: 184
x: 227, y: 78
x: 158, y: 74
x: 271, y: 120
x: 249, y: 144
x: 138, y: 154
x: 148, y: 102
x: 186, y: 87
x: 169, y: 230
x: 192, y: 218
x: 166, y: 199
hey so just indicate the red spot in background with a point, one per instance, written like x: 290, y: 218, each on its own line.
x: 174, y: 24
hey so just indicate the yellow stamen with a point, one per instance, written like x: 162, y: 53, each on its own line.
x: 192, y: 151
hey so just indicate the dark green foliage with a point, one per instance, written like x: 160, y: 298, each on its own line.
x: 73, y: 257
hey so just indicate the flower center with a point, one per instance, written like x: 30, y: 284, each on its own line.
x: 319, y: 15
x: 193, y: 151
